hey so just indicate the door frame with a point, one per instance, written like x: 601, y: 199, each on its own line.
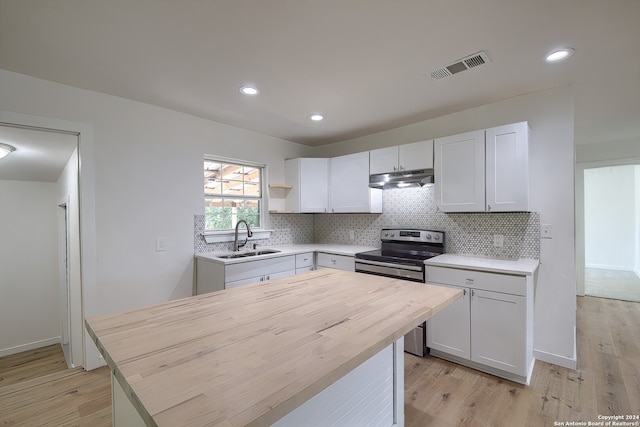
x: 580, y: 212
x: 87, y: 212
x: 64, y: 256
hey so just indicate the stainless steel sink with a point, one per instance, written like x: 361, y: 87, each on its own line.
x: 249, y: 254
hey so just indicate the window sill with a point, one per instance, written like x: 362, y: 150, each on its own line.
x: 229, y: 236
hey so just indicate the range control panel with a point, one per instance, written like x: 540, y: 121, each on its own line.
x: 411, y: 235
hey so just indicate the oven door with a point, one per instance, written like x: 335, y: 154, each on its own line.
x: 400, y: 271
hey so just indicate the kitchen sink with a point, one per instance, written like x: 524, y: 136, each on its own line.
x: 249, y: 254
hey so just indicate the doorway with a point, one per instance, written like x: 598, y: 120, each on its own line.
x: 41, y: 281
x: 612, y: 232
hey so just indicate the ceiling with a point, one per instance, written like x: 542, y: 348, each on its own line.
x: 364, y: 64
x: 40, y: 155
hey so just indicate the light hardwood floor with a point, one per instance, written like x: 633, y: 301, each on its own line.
x: 437, y: 393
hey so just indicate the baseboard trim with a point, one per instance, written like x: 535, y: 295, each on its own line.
x: 610, y: 267
x: 29, y: 346
x: 554, y: 359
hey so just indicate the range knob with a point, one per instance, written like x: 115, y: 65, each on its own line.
x: 386, y: 234
x: 436, y: 237
x: 428, y: 236
x: 393, y: 234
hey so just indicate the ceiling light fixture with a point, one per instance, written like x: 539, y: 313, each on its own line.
x: 560, y: 54
x: 6, y: 149
x: 249, y: 90
x: 316, y: 117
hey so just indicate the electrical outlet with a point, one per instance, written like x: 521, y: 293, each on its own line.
x: 161, y: 244
x: 546, y: 231
x: 498, y: 240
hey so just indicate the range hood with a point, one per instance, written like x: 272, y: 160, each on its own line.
x: 416, y: 178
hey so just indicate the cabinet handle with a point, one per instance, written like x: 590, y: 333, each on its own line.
x: 464, y: 292
x: 395, y: 169
x: 469, y: 281
x: 268, y: 277
x: 489, y: 207
x: 333, y: 261
x: 401, y: 168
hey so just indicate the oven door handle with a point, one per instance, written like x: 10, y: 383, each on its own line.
x: 388, y: 264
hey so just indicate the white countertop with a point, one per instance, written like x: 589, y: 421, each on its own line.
x: 293, y: 249
x: 522, y: 266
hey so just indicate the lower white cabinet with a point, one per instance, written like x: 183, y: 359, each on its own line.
x: 214, y: 276
x: 490, y: 328
x: 304, y: 262
x: 339, y: 262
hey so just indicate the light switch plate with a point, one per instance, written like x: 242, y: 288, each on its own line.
x: 161, y: 244
x: 546, y: 231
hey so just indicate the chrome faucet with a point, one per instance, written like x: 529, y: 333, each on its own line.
x: 236, y: 244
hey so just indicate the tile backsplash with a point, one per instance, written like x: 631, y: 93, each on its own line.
x: 465, y: 233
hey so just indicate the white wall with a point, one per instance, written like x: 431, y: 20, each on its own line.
x: 550, y: 116
x: 610, y: 217
x: 28, y: 266
x: 148, y: 183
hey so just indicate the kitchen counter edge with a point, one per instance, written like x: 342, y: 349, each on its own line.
x: 521, y: 266
x: 284, y: 250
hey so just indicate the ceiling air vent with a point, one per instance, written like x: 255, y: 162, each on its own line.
x: 463, y: 64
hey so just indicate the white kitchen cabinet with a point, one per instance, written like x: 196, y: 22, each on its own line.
x: 260, y: 278
x: 483, y: 170
x: 507, y: 168
x: 406, y: 157
x: 490, y: 328
x: 309, y: 178
x: 349, y: 190
x: 304, y: 262
x: 340, y: 262
x: 214, y: 276
x: 459, y: 170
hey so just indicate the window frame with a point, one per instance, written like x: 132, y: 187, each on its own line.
x: 221, y: 235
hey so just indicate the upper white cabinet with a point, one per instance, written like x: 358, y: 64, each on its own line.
x: 414, y: 156
x: 309, y: 178
x: 483, y: 170
x: 460, y: 173
x: 507, y: 163
x: 349, y: 190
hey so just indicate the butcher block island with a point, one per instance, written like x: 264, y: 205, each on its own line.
x: 319, y: 348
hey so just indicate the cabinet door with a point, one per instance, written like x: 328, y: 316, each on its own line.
x: 448, y: 330
x: 383, y: 160
x: 309, y: 178
x: 460, y: 173
x: 498, y: 331
x: 414, y: 156
x: 349, y: 188
x: 314, y: 185
x: 507, y: 168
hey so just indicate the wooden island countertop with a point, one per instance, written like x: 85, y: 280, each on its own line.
x: 250, y: 355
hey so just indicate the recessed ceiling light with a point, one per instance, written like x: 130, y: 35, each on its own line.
x: 316, y: 117
x: 560, y: 54
x: 6, y: 149
x: 249, y: 90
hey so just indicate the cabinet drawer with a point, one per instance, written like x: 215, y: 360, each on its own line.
x: 304, y: 260
x: 245, y: 270
x: 340, y: 262
x: 496, y: 282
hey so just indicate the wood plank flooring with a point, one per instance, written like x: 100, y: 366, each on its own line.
x: 607, y: 381
x: 31, y: 364
x: 437, y: 393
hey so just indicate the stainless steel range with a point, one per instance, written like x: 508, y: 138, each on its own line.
x: 402, y: 255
